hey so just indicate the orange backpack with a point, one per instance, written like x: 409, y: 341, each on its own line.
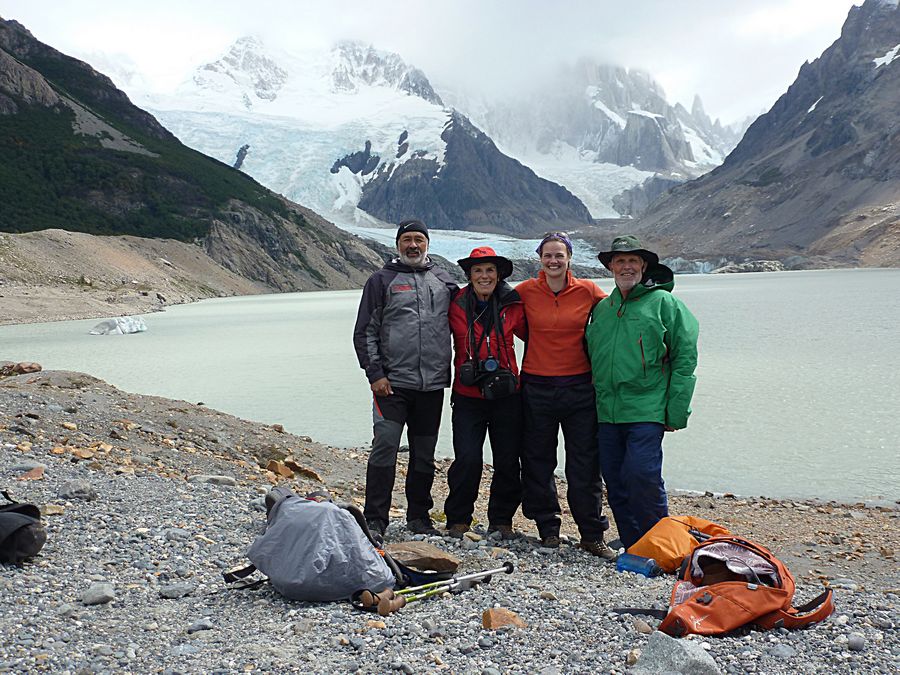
x: 728, y: 582
x: 673, y: 538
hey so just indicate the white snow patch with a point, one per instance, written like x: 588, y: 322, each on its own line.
x: 813, y: 106
x: 645, y: 113
x: 615, y: 117
x: 889, y: 55
x: 704, y: 153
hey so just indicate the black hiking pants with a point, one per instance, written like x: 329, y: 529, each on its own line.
x: 546, y: 408
x: 473, y: 418
x: 420, y: 411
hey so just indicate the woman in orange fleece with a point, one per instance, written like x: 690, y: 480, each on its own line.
x: 557, y: 391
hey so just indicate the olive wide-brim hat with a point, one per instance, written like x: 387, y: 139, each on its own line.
x: 627, y: 243
x: 485, y: 254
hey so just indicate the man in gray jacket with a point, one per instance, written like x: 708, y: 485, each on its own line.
x: 402, y: 341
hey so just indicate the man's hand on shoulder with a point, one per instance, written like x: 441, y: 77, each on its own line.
x: 382, y: 387
x: 668, y: 428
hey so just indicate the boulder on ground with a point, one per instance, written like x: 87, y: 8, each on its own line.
x: 423, y: 556
x: 665, y: 654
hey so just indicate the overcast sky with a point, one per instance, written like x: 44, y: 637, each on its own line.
x: 739, y: 56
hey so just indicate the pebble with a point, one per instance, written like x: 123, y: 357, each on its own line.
x: 856, y: 642
x: 77, y: 489
x: 178, y: 590
x: 228, y: 481
x: 781, y: 651
x: 98, y: 594
x: 200, y: 624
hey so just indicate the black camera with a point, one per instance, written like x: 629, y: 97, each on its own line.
x: 488, y: 365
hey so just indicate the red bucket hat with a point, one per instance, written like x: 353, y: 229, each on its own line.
x: 485, y: 254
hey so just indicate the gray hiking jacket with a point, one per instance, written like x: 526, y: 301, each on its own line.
x: 402, y: 331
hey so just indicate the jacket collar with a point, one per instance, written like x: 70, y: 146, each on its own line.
x: 542, y: 281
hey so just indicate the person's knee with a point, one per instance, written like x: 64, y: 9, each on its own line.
x: 385, y: 444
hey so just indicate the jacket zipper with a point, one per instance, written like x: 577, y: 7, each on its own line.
x: 643, y: 361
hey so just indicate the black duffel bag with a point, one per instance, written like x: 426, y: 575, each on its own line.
x: 22, y: 534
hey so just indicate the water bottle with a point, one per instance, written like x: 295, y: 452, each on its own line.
x: 628, y: 562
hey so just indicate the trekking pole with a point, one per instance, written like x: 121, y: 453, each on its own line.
x: 453, y: 583
x: 389, y: 601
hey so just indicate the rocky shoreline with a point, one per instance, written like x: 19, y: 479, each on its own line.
x: 147, y: 500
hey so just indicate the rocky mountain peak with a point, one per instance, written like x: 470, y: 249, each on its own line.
x: 358, y: 64
x: 19, y: 82
x: 246, y: 64
x: 819, y: 173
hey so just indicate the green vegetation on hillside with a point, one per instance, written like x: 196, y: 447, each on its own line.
x: 51, y: 177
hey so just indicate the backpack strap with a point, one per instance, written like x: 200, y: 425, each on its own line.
x: 237, y: 579
x: 817, y: 609
x: 398, y: 571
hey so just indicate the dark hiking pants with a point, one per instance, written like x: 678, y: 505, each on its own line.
x: 420, y: 411
x: 546, y: 408
x: 631, y: 460
x: 473, y: 418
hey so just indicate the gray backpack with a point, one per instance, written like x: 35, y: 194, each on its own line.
x: 314, y: 551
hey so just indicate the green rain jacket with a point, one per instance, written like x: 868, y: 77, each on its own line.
x: 643, y: 353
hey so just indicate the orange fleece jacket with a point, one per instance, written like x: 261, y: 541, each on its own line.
x: 555, y: 345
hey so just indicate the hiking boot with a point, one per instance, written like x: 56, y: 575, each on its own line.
x: 422, y: 526
x: 599, y: 549
x: 506, y: 532
x: 376, y: 528
x: 550, y: 541
x: 457, y: 531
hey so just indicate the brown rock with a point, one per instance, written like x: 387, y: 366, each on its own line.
x: 642, y: 626
x: 279, y: 469
x: 633, y: 657
x: 495, y: 617
x: 300, y: 470
x: 21, y: 368
x: 278, y: 428
x: 37, y: 473
x: 376, y: 623
x: 81, y: 453
x: 52, y: 510
x: 424, y: 556
x: 71, y: 426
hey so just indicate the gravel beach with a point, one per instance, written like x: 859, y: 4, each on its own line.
x: 147, y: 500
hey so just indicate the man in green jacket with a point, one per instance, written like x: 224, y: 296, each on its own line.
x: 642, y: 341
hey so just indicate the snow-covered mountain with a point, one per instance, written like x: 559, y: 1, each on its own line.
x: 308, y: 116
x: 816, y: 179
x: 599, y: 130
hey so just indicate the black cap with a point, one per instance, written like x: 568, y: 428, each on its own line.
x: 412, y: 226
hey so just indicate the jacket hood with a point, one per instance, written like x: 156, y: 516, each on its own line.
x: 656, y: 278
x: 658, y: 275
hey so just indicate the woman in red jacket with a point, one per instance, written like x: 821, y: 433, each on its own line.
x: 484, y: 317
x: 557, y: 391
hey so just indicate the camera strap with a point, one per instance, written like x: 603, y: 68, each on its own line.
x: 471, y: 319
x: 498, y: 331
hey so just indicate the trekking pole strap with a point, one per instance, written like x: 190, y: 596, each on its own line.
x: 642, y: 611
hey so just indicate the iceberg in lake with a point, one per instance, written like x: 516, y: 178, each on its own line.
x: 121, y: 325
